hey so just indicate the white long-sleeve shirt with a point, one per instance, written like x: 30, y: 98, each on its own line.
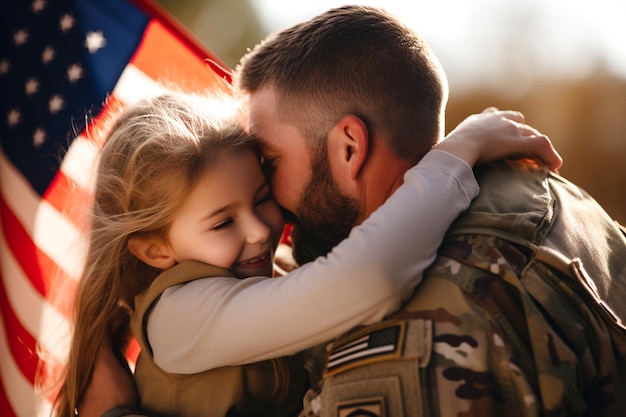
x: 220, y: 321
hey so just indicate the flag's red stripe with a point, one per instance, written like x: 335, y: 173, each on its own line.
x: 133, y: 351
x: 21, y: 343
x: 97, y: 130
x: 22, y: 247
x: 42, y: 272
x: 182, y: 67
x: 5, y: 406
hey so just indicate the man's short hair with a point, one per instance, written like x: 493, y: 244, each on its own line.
x: 353, y: 60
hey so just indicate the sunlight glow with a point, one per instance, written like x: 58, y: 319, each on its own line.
x: 483, y: 39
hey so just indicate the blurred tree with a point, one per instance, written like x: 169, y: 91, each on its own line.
x: 585, y: 118
x: 229, y: 28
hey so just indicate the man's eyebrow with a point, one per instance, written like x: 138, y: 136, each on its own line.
x: 264, y: 147
x: 256, y: 138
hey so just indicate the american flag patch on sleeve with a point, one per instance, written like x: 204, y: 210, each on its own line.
x: 375, y: 343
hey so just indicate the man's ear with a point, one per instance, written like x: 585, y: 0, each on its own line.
x: 352, y: 144
x: 152, y: 251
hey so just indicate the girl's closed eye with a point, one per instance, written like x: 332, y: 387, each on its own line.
x: 222, y: 225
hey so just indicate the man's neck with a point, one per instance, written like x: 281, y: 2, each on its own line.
x: 384, y: 173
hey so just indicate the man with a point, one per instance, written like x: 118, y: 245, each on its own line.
x: 354, y: 94
x: 475, y: 339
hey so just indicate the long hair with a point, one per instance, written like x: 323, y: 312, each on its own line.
x: 154, y: 154
x: 353, y: 60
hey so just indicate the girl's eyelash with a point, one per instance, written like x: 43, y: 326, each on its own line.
x: 228, y: 222
x: 222, y: 225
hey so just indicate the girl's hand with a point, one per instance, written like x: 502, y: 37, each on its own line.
x: 496, y: 134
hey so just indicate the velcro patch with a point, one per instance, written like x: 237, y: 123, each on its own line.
x: 366, y: 407
x: 375, y: 343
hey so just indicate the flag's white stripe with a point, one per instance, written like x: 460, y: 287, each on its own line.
x: 59, y: 239
x: 54, y: 335
x: 79, y: 163
x: 352, y: 343
x: 54, y: 234
x: 347, y: 351
x: 134, y: 85
x: 368, y: 352
x: 44, y: 322
x: 44, y: 408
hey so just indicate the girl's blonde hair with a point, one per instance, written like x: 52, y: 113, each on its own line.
x: 155, y: 153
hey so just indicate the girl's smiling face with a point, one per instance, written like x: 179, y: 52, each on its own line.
x: 229, y: 219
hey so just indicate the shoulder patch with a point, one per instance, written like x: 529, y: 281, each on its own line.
x: 366, y: 407
x: 376, y: 343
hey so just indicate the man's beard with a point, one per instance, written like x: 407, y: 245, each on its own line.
x: 325, y: 215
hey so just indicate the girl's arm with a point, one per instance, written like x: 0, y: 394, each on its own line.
x: 214, y: 322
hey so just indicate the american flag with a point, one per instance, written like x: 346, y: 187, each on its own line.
x: 60, y: 62
x: 375, y: 343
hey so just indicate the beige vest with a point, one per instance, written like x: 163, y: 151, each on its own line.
x: 228, y: 391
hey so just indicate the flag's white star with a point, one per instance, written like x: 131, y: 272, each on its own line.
x: 31, y: 87
x: 95, y: 41
x: 20, y: 37
x: 55, y: 104
x: 39, y: 5
x: 74, y: 73
x: 5, y: 66
x: 48, y: 54
x: 67, y: 22
x: 14, y: 117
x: 39, y: 137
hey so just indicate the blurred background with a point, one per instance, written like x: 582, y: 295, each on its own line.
x: 561, y: 62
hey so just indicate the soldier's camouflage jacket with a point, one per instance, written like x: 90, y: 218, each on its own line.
x: 521, y: 315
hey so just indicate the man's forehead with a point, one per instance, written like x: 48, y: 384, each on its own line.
x: 263, y: 121
x: 257, y: 113
x: 260, y: 136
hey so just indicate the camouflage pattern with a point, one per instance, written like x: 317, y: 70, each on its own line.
x: 521, y: 315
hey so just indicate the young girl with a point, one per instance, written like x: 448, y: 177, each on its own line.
x: 181, y: 201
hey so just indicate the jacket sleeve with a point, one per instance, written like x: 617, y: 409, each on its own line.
x: 214, y: 322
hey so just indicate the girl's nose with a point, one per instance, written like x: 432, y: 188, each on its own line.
x: 258, y: 231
